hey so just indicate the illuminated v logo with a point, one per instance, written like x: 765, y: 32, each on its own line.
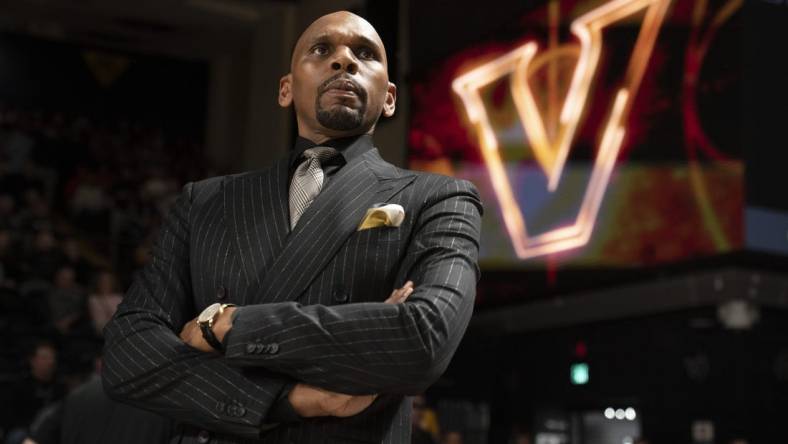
x: 551, y: 152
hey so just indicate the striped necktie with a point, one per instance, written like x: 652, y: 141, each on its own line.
x: 307, y: 181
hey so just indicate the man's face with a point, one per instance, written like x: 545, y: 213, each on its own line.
x: 42, y: 363
x: 339, y: 80
x: 452, y: 438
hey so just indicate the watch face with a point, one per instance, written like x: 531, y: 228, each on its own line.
x: 209, y: 312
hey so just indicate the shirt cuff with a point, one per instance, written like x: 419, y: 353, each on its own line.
x: 282, y: 410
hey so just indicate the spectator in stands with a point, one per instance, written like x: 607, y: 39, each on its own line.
x: 39, y: 388
x: 452, y: 437
x: 104, y: 300
x: 44, y: 259
x: 36, y: 213
x: 88, y: 416
x: 90, y: 203
x: 74, y: 258
x: 17, y: 144
x: 159, y: 189
x: 66, y: 300
x: 8, y: 210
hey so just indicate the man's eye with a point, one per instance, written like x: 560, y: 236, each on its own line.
x: 366, y: 53
x: 320, y: 49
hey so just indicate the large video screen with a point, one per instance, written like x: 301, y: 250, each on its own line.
x: 599, y: 133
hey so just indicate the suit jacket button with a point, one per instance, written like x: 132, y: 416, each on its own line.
x: 274, y: 348
x: 203, y: 437
x: 251, y: 348
x: 221, y: 292
x: 340, y: 294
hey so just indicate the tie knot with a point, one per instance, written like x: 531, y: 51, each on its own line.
x: 320, y: 153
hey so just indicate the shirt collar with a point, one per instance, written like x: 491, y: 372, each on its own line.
x: 348, y: 147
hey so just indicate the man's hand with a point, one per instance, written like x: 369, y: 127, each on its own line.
x: 399, y: 295
x: 192, y: 335
x: 309, y: 401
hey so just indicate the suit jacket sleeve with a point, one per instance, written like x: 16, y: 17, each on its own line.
x: 376, y: 347
x: 146, y: 364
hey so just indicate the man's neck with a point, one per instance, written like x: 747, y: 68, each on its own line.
x: 321, y: 136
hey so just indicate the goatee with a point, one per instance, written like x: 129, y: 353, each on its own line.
x: 339, y: 117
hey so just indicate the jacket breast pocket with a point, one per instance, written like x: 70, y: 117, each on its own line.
x: 382, y: 235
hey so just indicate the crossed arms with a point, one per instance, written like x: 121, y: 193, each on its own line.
x: 407, y: 347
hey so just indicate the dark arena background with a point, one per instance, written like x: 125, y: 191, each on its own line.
x: 630, y: 155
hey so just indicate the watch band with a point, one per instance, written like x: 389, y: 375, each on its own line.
x: 207, y: 329
x: 210, y: 337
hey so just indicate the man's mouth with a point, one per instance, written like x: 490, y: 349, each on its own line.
x: 344, y: 89
x: 341, y: 92
x: 343, y: 86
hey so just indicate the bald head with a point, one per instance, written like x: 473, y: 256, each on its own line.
x: 338, y: 80
x: 343, y: 22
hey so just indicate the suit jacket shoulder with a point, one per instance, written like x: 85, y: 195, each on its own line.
x: 206, y: 190
x: 434, y: 186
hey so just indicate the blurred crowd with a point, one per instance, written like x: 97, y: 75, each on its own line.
x: 81, y: 199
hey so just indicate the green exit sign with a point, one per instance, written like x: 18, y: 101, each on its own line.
x: 578, y: 373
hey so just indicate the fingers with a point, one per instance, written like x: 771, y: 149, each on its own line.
x: 192, y: 336
x: 188, y: 328
x: 401, y: 294
x: 354, y: 405
x: 309, y: 401
x: 404, y: 292
x: 186, y: 332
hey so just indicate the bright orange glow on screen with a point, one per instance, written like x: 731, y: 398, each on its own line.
x: 551, y: 152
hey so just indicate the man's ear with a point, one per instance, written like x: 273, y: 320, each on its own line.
x: 391, y: 100
x: 285, y: 91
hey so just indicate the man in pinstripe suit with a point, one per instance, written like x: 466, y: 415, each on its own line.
x: 317, y: 348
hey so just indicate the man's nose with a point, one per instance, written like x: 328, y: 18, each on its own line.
x: 344, y: 59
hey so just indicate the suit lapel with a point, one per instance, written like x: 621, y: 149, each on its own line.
x: 257, y: 217
x: 326, y: 225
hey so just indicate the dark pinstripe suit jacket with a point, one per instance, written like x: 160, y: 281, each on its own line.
x: 312, y: 300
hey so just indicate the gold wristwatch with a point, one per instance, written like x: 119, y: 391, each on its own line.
x: 206, y: 319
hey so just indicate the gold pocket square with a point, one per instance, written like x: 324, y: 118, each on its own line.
x: 389, y: 215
